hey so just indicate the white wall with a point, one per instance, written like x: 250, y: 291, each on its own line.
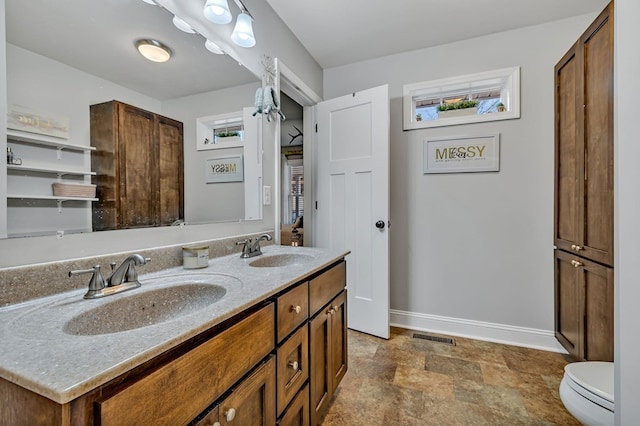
x: 3, y: 126
x: 222, y: 201
x: 627, y: 181
x: 474, y: 250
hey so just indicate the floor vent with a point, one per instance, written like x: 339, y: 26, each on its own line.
x: 447, y: 340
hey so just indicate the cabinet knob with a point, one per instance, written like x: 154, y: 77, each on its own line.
x: 331, y: 311
x: 294, y: 365
x: 217, y: 424
x: 576, y: 247
x: 230, y: 414
x: 576, y: 264
x: 296, y: 309
x: 336, y: 308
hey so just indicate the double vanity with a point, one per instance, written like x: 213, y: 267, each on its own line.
x: 259, y: 340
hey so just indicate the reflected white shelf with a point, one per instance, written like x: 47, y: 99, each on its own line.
x: 51, y: 170
x: 35, y: 139
x: 49, y: 197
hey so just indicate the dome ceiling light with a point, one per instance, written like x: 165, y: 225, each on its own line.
x: 153, y: 50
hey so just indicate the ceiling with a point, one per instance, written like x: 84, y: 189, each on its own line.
x: 97, y: 36
x: 339, y: 32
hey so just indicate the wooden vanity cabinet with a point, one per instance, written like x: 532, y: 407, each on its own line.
x: 139, y: 167
x: 270, y: 364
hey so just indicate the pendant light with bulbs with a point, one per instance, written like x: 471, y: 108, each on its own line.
x: 217, y: 11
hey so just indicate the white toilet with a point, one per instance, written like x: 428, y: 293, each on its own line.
x: 586, y: 391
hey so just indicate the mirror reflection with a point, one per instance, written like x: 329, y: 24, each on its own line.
x: 63, y: 57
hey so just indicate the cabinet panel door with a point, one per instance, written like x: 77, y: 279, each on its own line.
x: 598, y: 322
x: 597, y: 52
x: 568, y: 306
x: 319, y: 358
x: 298, y: 412
x: 170, y: 170
x: 568, y: 161
x: 338, y: 340
x: 253, y: 402
x: 138, y: 168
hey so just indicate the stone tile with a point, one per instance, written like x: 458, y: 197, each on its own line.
x: 432, y: 384
x: 454, y: 367
x: 499, y: 399
x: 383, y: 371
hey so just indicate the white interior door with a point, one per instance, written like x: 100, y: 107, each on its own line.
x: 353, y: 199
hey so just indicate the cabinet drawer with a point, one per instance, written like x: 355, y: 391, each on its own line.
x: 293, y: 310
x: 183, y: 388
x: 326, y: 286
x: 293, y: 366
x: 298, y: 412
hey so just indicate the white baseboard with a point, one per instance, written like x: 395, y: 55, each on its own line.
x: 491, y: 332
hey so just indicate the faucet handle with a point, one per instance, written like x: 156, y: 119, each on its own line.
x: 96, y: 284
x: 246, y: 249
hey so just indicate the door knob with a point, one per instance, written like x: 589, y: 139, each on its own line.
x: 380, y: 224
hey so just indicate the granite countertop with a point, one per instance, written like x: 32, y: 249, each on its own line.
x: 39, y: 355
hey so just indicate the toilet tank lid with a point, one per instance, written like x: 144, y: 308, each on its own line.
x: 595, y: 376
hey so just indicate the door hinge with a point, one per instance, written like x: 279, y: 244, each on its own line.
x: 316, y: 127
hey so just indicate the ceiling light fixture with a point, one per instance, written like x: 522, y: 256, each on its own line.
x: 217, y: 11
x: 213, y: 48
x: 150, y: 2
x: 182, y: 25
x: 153, y: 50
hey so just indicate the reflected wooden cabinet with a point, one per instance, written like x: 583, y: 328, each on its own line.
x: 139, y: 167
x: 584, y: 193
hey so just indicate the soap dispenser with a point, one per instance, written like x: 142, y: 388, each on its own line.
x: 9, y: 155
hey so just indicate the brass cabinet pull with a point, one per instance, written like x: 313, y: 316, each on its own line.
x: 294, y: 365
x: 576, y: 264
x: 296, y: 309
x: 576, y: 247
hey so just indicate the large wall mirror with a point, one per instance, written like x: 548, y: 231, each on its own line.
x: 65, y: 55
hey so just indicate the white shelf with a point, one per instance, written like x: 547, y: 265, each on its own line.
x: 52, y: 170
x: 35, y: 139
x: 49, y: 197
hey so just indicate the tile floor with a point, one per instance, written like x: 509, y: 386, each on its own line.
x: 407, y: 381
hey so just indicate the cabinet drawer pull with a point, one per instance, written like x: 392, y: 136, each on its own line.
x: 331, y: 311
x: 576, y: 264
x: 230, y: 414
x: 576, y: 247
x: 297, y: 309
x: 336, y: 308
x: 294, y: 365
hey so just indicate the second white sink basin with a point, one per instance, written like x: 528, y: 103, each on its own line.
x: 279, y: 260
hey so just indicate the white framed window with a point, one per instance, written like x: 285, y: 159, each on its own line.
x: 487, y: 96
x: 220, y: 131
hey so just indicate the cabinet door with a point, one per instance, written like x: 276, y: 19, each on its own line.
x: 298, y: 412
x: 293, y: 369
x: 568, y: 307
x: 338, y: 340
x: 137, y: 174
x: 170, y: 170
x: 584, y: 307
x: 327, y: 354
x: 567, y: 147
x: 253, y: 402
x: 597, y: 54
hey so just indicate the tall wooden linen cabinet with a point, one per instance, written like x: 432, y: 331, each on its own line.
x: 139, y: 167
x: 584, y: 194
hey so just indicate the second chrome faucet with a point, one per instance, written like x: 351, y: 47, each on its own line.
x: 252, y: 248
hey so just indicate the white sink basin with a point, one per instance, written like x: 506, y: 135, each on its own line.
x: 143, y: 309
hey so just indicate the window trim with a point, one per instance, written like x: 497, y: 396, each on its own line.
x: 510, y: 93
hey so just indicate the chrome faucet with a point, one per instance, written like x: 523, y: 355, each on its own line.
x: 252, y: 248
x: 126, y: 272
x: 123, y: 278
